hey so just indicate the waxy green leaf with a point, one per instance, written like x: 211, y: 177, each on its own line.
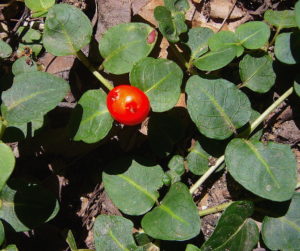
x: 67, y: 30
x: 5, y: 49
x: 160, y: 80
x: 281, y: 19
x: 198, y: 160
x: 176, y: 218
x: 26, y: 205
x: 287, y: 47
x: 253, y: 35
x: 121, y: 52
x: 7, y: 164
x: 235, y: 231
x: 32, y: 95
x: 23, y: 64
x: 283, y: 233
x: 93, y: 117
x: 268, y: 170
x: 132, y: 186
x: 257, y: 73
x: 112, y: 232
x: 216, y: 106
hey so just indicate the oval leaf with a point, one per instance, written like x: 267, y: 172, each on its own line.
x: 267, y: 170
x: 93, y: 116
x: 235, y: 231
x: 39, y: 5
x: 198, y: 41
x: 26, y: 205
x: 24, y: 64
x: 160, y: 79
x: 281, y: 19
x: 297, y: 13
x: 2, y: 233
x: 253, y: 35
x: 191, y: 247
x: 287, y: 47
x: 215, y: 60
x: 257, y: 73
x: 176, y: 218
x: 11, y: 247
x: 297, y: 85
x: 113, y: 233
x: 5, y: 49
x: 198, y: 160
x: 7, y: 163
x: 217, y: 107
x: 124, y: 180
x: 32, y: 95
x: 67, y: 30
x: 283, y: 233
x: 121, y: 52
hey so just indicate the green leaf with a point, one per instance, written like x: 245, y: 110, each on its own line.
x: 297, y: 85
x: 176, y: 218
x: 297, y: 13
x: 235, y: 231
x: 160, y: 80
x: 176, y: 164
x: 26, y: 205
x: 177, y: 5
x: 191, y: 247
x: 283, y: 233
x: 268, y: 170
x: 287, y: 47
x: 217, y: 107
x: 171, y: 24
x: 23, y: 64
x: 215, y: 60
x: 11, y: 247
x: 93, y: 116
x: 67, y: 30
x: 7, y: 163
x: 121, y: 52
x: 39, y: 5
x: 198, y: 41
x: 71, y: 241
x: 32, y: 95
x: 112, y: 232
x: 30, y: 40
x: 125, y: 179
x: 198, y: 160
x: 253, y: 35
x: 5, y: 49
x: 257, y: 73
x: 281, y: 19
x: 225, y: 39
x: 2, y: 233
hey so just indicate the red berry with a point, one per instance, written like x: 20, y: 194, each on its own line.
x: 128, y: 104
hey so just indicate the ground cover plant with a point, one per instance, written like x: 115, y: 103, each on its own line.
x: 155, y: 186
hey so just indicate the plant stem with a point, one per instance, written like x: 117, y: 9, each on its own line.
x: 275, y: 35
x: 252, y: 128
x: 3, y: 125
x: 80, y: 55
x: 215, y: 209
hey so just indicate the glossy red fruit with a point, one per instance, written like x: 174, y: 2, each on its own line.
x: 128, y: 104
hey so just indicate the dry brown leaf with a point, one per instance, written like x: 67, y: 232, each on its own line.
x: 221, y: 8
x: 147, y: 11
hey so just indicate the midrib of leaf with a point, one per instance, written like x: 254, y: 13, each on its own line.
x: 137, y: 186
x: 255, y: 72
x: 262, y: 160
x: 202, y: 155
x: 22, y: 100
x: 172, y: 214
x: 117, y: 241
x: 227, y: 120
x: 94, y: 115
x: 290, y: 223
x: 247, y: 38
x: 213, y: 53
x: 280, y: 26
x: 158, y: 83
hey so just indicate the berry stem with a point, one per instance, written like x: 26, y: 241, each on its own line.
x: 80, y: 55
x: 215, y: 209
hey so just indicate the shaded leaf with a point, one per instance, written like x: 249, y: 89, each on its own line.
x: 2, y: 233
x: 177, y: 5
x: 217, y: 107
x: 268, y: 170
x: 132, y: 186
x: 93, y: 117
x: 283, y: 233
x: 287, y: 47
x: 198, y: 160
x: 23, y: 64
x: 234, y: 231
x: 7, y: 164
x: 176, y: 164
x: 176, y: 218
x: 297, y: 13
x: 32, y: 95
x: 253, y: 35
x: 160, y: 79
x: 5, y: 49
x: 281, y: 19
x: 59, y: 37
x: 297, y: 85
x: 26, y: 205
x: 191, y: 247
x: 39, y: 5
x: 11, y: 247
x: 121, y: 52
x: 112, y: 232
x: 30, y: 40
x: 257, y: 73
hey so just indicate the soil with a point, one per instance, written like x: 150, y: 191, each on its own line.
x: 72, y: 170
